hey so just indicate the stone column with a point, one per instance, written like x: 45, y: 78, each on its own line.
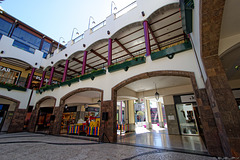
x: 160, y: 115
x: 171, y: 116
x: 222, y: 101
x: 109, y: 127
x: 131, y: 115
x: 148, y: 114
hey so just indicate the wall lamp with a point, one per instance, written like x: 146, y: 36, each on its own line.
x: 73, y: 32
x: 59, y: 42
x: 115, y: 8
x: 93, y: 22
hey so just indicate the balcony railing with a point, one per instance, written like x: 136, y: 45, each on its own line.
x: 99, y: 25
x: 23, y: 46
x: 78, y: 38
x: 126, y: 9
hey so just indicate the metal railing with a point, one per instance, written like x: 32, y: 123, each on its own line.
x: 126, y: 9
x: 98, y: 26
x: 78, y: 38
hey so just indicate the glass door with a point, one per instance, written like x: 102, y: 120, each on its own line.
x: 187, y: 119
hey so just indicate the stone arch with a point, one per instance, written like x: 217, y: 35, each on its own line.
x: 35, y: 112
x: 58, y: 111
x: 111, y: 130
x: 16, y: 125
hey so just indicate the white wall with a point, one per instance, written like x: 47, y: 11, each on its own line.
x: 16, y: 53
x: 48, y: 103
x: 196, y: 36
x: 21, y: 96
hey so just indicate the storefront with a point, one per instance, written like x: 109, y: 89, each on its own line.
x: 82, y: 120
x: 188, y: 115
x: 43, y: 122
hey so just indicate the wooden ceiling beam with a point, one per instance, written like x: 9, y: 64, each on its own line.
x: 68, y: 68
x: 75, y: 59
x: 154, y: 37
x: 124, y: 48
x: 99, y: 55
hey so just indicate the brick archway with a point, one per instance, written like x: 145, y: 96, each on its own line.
x: 145, y: 76
x: 16, y: 124
x: 58, y: 111
x: 35, y: 112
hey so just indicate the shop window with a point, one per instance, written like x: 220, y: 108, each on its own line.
x: 4, y: 26
x: 8, y: 75
x: 84, y: 122
x: 187, y: 119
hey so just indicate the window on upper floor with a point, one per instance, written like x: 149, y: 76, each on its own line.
x: 5, y: 26
x: 45, y: 49
x: 27, y: 38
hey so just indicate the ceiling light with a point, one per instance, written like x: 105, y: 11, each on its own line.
x: 156, y: 94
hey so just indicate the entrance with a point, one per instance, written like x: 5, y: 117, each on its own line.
x: 81, y: 116
x: 153, y: 118
x: 43, y: 122
x: 3, y: 114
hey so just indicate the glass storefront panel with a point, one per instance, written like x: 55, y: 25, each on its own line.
x: 187, y: 119
x: 85, y: 122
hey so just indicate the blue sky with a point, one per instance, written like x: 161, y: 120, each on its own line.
x: 57, y: 18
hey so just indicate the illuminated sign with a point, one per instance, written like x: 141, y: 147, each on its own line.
x: 5, y: 69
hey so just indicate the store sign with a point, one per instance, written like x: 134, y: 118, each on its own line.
x: 188, y: 98
x: 45, y: 80
x: 5, y: 69
x: 89, y: 109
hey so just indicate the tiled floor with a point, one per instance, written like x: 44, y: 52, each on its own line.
x: 29, y: 146
x: 160, y: 139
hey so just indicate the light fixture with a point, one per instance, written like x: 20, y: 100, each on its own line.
x: 156, y: 94
x: 66, y: 106
x: 237, y: 67
x: 99, y: 101
x: 59, y: 42
x: 73, y: 32
x: 90, y: 20
x: 115, y: 8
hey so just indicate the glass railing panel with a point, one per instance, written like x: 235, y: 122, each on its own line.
x: 23, y: 46
x: 78, y: 38
x: 126, y: 9
x: 98, y: 26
